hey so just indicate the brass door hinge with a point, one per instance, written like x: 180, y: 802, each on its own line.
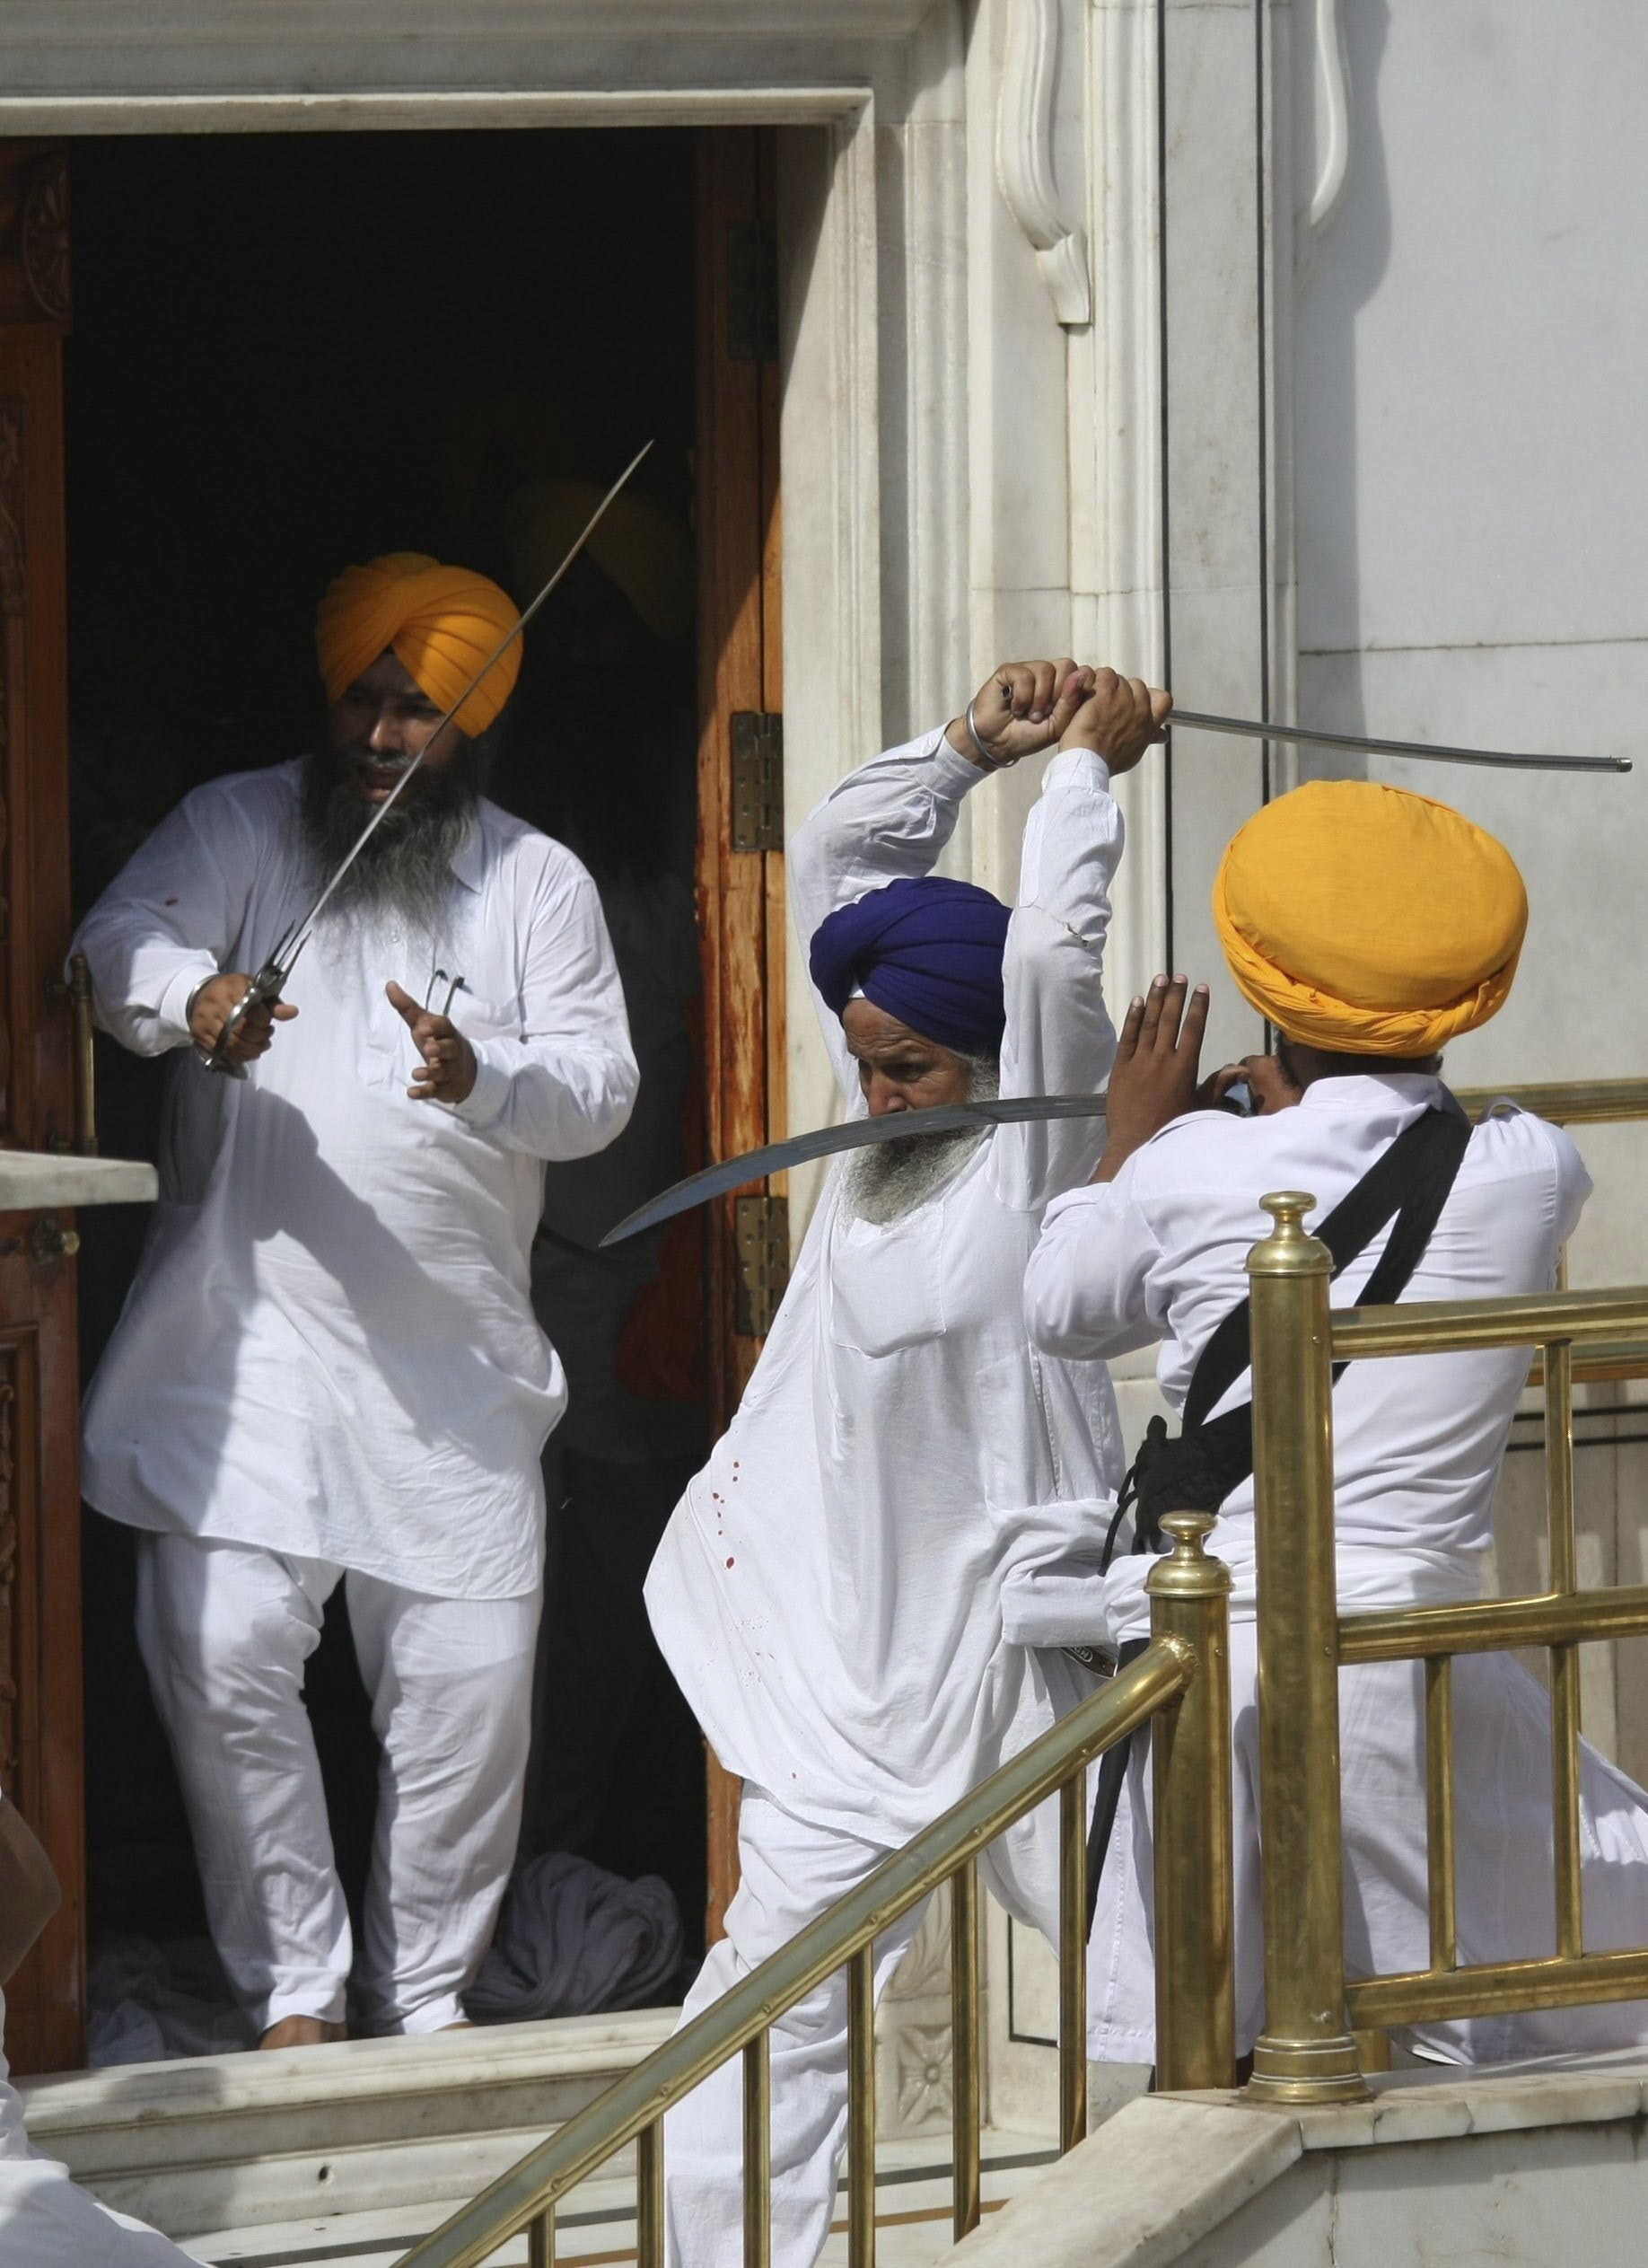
x: 761, y: 1231
x: 752, y: 291
x: 758, y: 779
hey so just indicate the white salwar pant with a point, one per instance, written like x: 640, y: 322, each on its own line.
x: 225, y: 1631
x: 790, y: 1872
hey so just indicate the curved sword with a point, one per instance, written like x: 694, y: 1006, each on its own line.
x: 1251, y: 728
x: 852, y: 1134
x: 272, y: 978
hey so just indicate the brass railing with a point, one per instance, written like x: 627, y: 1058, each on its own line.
x: 1181, y: 1684
x: 1567, y: 1102
x: 1307, y: 2053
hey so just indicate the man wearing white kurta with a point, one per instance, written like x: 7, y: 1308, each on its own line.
x: 328, y: 1370
x: 1365, y: 988
x: 830, y: 1591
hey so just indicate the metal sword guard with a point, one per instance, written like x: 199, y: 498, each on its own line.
x: 266, y: 986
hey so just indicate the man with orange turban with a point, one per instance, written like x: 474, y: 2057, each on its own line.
x: 328, y: 1372
x: 1371, y: 927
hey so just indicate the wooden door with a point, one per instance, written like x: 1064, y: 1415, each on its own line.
x: 40, y: 1710
x: 741, y: 814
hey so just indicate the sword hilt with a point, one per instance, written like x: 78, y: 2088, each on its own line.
x: 265, y: 988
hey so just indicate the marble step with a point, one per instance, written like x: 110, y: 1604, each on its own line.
x: 219, y: 2142
x: 597, y: 2224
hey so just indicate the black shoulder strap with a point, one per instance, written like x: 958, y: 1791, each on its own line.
x: 1411, y: 1180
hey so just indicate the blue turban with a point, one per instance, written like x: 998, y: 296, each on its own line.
x: 928, y: 951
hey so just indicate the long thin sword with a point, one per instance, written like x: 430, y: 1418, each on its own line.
x: 852, y: 1134
x: 1251, y: 728
x: 272, y: 979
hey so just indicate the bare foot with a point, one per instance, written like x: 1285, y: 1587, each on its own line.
x: 463, y: 2023
x: 303, y: 2031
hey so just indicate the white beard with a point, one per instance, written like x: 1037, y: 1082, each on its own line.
x: 887, y: 1180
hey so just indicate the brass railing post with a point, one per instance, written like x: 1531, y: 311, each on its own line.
x: 1306, y: 2054
x: 1190, y: 1746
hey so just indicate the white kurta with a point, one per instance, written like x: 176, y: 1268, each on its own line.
x: 1159, y: 1254
x: 831, y: 1590
x: 329, y: 1350
x: 829, y: 1593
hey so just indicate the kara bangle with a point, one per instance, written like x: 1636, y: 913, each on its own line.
x: 991, y: 764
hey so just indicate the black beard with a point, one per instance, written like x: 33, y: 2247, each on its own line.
x: 406, y: 867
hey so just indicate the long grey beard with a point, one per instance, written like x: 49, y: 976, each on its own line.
x: 405, y: 869
x: 887, y: 1181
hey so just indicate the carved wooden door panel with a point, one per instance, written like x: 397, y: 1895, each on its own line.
x: 40, y: 1745
x: 741, y: 810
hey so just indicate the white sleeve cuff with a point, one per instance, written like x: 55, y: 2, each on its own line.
x: 173, y: 1008
x: 1082, y: 765
x: 486, y: 1099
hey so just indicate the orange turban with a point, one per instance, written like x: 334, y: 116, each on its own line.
x: 442, y: 622
x: 637, y: 544
x: 1364, y: 919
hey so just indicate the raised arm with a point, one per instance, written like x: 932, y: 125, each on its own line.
x: 886, y: 821
x: 889, y: 821
x: 1059, y: 1038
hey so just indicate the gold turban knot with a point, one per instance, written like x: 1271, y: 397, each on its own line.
x: 441, y: 622
x: 1364, y: 919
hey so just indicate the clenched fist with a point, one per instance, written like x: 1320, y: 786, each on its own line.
x: 1119, y: 719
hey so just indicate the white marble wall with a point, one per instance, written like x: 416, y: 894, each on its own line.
x: 1472, y: 483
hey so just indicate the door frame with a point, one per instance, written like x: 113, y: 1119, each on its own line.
x: 820, y: 189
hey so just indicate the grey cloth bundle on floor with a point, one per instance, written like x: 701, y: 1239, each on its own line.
x: 575, y: 1941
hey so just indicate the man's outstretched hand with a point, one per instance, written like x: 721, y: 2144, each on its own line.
x: 1119, y: 719
x: 1157, y: 1062
x: 447, y: 1072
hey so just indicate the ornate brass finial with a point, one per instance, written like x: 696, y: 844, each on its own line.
x: 1188, y: 1572
x: 1190, y: 1532
x: 1289, y: 1249
x: 1287, y: 1207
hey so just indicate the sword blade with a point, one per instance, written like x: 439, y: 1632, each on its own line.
x: 852, y: 1134
x: 1249, y: 728
x: 301, y: 934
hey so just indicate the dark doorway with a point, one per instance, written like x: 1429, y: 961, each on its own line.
x: 294, y: 352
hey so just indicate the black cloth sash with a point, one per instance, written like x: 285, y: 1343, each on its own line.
x: 1194, y: 1471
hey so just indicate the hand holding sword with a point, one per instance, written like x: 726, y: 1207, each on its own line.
x: 255, y: 1010
x: 255, y: 1001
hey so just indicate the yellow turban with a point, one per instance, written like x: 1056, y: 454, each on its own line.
x: 442, y: 622
x: 1362, y: 918
x: 637, y: 544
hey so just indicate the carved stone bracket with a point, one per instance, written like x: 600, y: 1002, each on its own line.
x: 1332, y: 115
x: 1024, y: 157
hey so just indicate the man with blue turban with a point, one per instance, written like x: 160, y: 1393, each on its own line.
x: 846, y: 1593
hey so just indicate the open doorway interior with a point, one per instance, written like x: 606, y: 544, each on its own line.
x: 290, y: 353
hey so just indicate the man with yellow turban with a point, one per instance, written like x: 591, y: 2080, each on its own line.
x: 1371, y: 927
x: 328, y: 1372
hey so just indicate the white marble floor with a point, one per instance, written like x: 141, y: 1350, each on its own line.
x: 596, y: 2227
